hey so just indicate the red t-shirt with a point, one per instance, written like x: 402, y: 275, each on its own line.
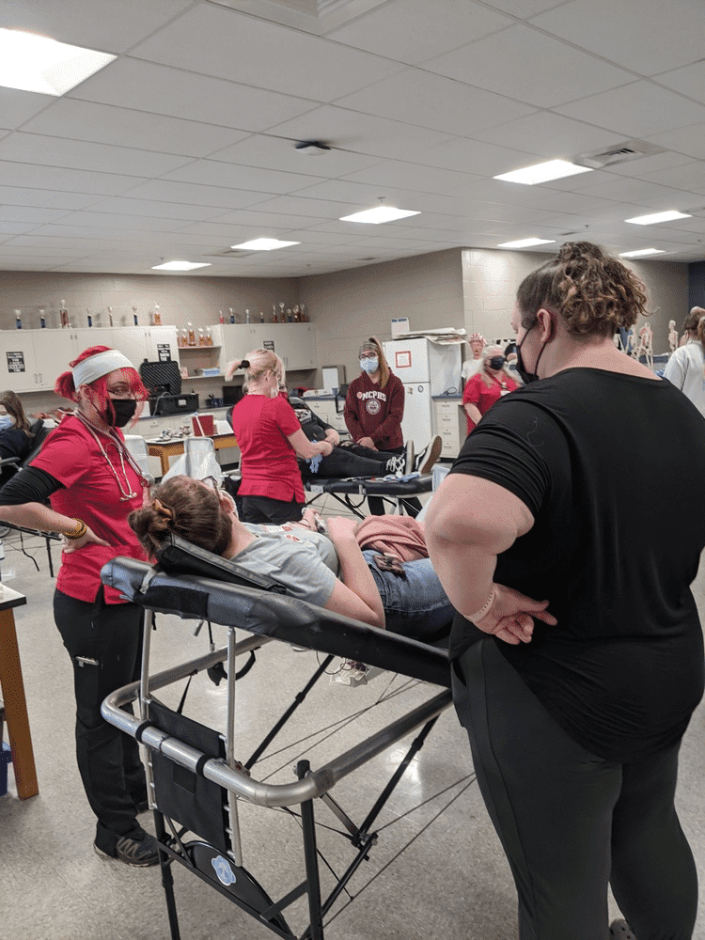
x: 371, y: 411
x: 268, y: 461
x: 483, y: 396
x: 71, y: 455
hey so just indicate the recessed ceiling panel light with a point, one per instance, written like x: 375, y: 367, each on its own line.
x: 527, y: 243
x: 641, y: 253
x: 543, y: 172
x: 180, y: 266
x: 264, y: 244
x: 37, y: 63
x: 378, y: 215
x: 655, y: 217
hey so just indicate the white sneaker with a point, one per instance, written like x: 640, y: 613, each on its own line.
x: 620, y: 930
x: 409, y: 465
x: 396, y: 464
x: 351, y: 673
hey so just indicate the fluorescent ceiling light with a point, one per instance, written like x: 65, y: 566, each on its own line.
x: 655, y: 217
x: 180, y: 266
x: 378, y: 215
x: 264, y: 244
x: 543, y: 172
x: 527, y: 243
x: 37, y: 63
x: 641, y: 253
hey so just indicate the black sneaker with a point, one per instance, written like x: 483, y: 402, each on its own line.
x: 140, y: 853
x: 431, y: 454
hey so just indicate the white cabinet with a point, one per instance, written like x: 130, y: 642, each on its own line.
x: 294, y: 342
x: 32, y: 360
x: 136, y: 342
x: 451, y: 424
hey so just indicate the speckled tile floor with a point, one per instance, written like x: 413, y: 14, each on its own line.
x: 451, y: 881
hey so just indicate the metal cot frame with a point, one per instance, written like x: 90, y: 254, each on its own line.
x: 392, y: 491
x: 267, y: 616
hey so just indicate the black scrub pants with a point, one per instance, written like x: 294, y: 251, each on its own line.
x: 108, y: 759
x: 570, y: 822
x: 412, y: 505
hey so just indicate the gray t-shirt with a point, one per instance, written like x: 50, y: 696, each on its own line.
x: 303, y: 561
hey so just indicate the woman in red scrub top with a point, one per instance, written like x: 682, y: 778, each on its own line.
x: 487, y: 386
x: 269, y: 436
x: 84, y: 484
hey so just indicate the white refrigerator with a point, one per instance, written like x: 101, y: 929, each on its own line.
x: 426, y: 369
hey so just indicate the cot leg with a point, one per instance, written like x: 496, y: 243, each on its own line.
x: 167, y: 878
x: 315, y: 930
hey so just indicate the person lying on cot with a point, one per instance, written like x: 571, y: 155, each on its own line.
x: 331, y: 571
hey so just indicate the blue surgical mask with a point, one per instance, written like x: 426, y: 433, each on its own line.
x: 6, y: 421
x: 369, y: 365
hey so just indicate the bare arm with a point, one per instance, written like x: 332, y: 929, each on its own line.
x: 308, y: 449
x: 473, y: 412
x: 44, y: 518
x: 356, y: 594
x: 469, y: 523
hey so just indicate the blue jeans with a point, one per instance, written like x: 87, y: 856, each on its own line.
x: 416, y: 605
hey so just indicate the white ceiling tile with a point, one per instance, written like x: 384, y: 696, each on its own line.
x: 155, y: 209
x: 109, y: 25
x: 171, y: 191
x: 16, y: 106
x: 48, y: 177
x: 637, y: 110
x: 689, y: 80
x: 215, y: 173
x: 524, y: 8
x: 631, y: 190
x: 29, y: 214
x: 429, y: 28
x: 684, y: 140
x: 689, y: 176
x: 550, y: 135
x: 647, y: 36
x: 413, y: 176
x: 524, y: 63
x: 102, y: 158
x: 132, y: 83
x: 114, y: 221
x: 436, y: 102
x: 47, y: 198
x: 101, y: 123
x: 231, y: 46
x: 474, y: 156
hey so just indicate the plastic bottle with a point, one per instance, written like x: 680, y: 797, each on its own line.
x: 18, y: 319
x: 221, y: 318
x: 42, y: 318
x: 89, y: 319
x: 261, y: 316
x: 191, y: 335
x: 64, y: 315
x: 183, y: 338
x: 247, y: 316
x: 209, y: 337
x: 232, y: 314
x: 110, y: 315
x: 201, y: 337
x: 157, y: 316
x: 134, y: 316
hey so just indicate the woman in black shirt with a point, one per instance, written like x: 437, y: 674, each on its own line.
x: 580, y: 487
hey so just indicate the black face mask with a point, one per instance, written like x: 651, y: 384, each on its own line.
x: 496, y: 362
x: 527, y: 377
x: 125, y: 409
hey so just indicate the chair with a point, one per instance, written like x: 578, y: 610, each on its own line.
x: 38, y: 434
x: 198, y: 461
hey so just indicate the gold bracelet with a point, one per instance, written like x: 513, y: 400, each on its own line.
x: 78, y: 532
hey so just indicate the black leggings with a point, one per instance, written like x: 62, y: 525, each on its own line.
x: 572, y: 823
x: 104, y: 643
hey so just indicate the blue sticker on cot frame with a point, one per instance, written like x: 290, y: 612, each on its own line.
x: 224, y: 872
